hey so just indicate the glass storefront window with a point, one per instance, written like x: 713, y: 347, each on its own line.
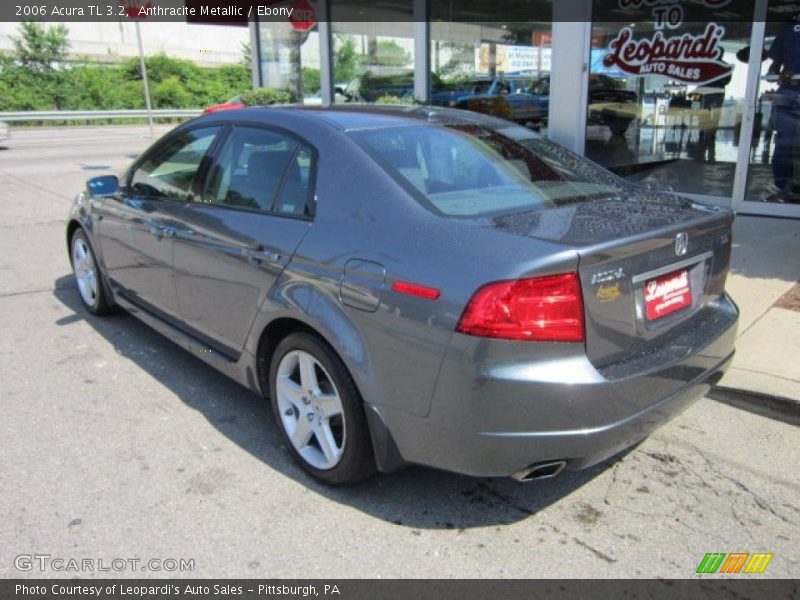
x: 373, y: 61
x: 774, y: 170
x: 498, y: 68
x: 290, y: 60
x: 666, y: 96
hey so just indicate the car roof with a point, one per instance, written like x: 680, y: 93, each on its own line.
x: 368, y: 116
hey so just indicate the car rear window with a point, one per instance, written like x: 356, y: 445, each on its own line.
x: 475, y: 170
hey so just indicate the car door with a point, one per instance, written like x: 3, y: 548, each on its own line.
x: 237, y: 238
x: 137, y: 226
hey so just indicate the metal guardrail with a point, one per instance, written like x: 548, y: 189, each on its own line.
x: 94, y: 115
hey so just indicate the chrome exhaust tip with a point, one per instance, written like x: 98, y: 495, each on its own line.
x: 544, y: 470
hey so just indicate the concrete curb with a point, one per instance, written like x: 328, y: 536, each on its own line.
x: 767, y: 405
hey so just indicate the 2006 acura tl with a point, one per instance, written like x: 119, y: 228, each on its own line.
x: 416, y: 285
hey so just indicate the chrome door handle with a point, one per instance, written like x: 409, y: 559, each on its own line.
x: 260, y: 253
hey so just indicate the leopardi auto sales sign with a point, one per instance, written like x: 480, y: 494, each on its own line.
x: 689, y: 57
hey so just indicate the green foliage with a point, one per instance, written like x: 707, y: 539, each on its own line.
x: 396, y: 100
x: 311, y: 84
x: 35, y: 77
x: 32, y: 79
x: 346, y: 60
x: 247, y: 54
x: 161, y: 67
x: 170, y: 93
x: 391, y: 54
x: 263, y: 96
x: 98, y: 86
x: 39, y: 48
x: 369, y: 87
x: 461, y: 63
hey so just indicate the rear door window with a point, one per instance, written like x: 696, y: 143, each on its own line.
x: 262, y: 170
x: 295, y: 193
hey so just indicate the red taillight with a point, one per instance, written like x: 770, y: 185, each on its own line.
x: 547, y: 309
x: 414, y: 289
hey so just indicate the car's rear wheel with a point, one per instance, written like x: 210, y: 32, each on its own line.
x: 87, y: 275
x: 619, y: 126
x: 319, y: 411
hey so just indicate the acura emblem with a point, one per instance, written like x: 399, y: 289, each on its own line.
x: 681, y: 243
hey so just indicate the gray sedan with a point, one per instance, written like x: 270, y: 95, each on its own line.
x: 415, y: 285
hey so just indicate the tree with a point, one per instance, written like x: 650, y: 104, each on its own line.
x: 311, y: 81
x: 170, y: 93
x: 38, y: 48
x: 36, y: 76
x: 391, y: 54
x: 266, y: 95
x: 295, y: 78
x: 461, y: 63
x: 38, y: 51
x: 346, y: 61
x: 247, y: 55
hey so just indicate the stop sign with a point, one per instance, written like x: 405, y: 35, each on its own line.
x: 303, y: 17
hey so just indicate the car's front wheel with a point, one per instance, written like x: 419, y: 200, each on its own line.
x: 87, y: 275
x: 319, y: 411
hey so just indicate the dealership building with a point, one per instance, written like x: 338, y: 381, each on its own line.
x: 674, y: 94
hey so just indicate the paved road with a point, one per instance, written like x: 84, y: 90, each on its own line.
x: 117, y: 444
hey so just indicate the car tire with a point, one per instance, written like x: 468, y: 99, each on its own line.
x: 319, y: 411
x: 88, y: 275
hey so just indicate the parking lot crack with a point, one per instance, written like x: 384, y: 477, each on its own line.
x: 595, y: 551
x: 27, y: 292
x: 757, y: 500
x: 34, y: 185
x: 742, y: 523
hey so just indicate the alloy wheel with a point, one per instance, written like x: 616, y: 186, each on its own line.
x: 310, y: 409
x: 85, y: 270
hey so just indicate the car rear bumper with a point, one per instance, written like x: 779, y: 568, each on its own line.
x: 494, y: 414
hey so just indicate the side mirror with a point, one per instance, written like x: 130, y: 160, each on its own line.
x: 105, y: 185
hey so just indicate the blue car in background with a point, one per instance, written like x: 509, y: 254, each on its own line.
x: 517, y: 98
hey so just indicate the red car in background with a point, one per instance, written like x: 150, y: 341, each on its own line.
x: 233, y: 103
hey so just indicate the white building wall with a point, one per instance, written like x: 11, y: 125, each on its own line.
x: 207, y: 45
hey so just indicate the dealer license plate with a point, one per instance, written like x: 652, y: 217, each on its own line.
x: 666, y: 294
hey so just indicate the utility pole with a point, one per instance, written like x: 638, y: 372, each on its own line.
x: 143, y: 67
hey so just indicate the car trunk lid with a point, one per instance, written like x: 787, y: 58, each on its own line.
x: 648, y: 264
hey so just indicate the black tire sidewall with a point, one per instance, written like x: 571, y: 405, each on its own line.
x: 357, y: 461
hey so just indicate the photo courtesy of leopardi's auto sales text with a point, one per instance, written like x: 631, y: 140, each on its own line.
x: 411, y: 299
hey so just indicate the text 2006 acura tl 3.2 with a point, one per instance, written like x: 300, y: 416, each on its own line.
x: 416, y: 285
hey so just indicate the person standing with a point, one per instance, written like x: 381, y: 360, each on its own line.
x: 785, y: 68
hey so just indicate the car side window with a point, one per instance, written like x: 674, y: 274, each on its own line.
x: 261, y: 170
x: 294, y: 195
x: 167, y: 174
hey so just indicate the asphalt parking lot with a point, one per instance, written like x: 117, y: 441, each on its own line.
x: 118, y: 444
